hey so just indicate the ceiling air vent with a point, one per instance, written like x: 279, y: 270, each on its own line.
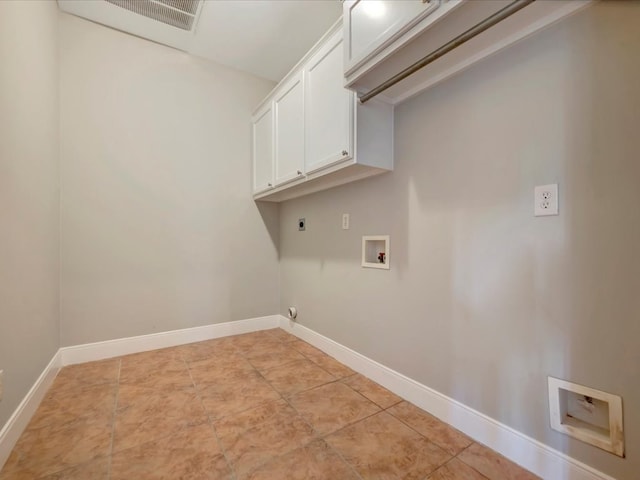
x: 177, y: 13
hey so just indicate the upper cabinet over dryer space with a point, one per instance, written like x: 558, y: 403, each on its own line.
x: 310, y: 133
x: 384, y: 37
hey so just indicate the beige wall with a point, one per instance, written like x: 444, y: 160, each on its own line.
x: 29, y: 212
x: 159, y: 231
x: 483, y: 300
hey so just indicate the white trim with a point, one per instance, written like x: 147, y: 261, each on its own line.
x: 20, y: 418
x: 517, y: 447
x: 124, y: 346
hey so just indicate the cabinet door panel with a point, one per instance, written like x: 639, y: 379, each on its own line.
x: 329, y: 109
x: 263, y: 150
x: 289, y: 114
x: 374, y: 24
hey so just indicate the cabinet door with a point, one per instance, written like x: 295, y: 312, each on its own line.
x: 374, y: 24
x: 289, y: 131
x: 263, y: 149
x: 329, y: 108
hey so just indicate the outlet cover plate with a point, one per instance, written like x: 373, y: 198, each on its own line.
x: 545, y: 200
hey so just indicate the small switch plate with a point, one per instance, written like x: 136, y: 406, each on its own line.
x: 545, y: 198
x: 302, y: 224
x: 345, y: 221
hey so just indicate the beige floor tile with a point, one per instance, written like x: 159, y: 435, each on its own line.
x: 192, y: 453
x: 493, y: 465
x: 381, y: 447
x: 297, y: 376
x: 278, y: 435
x: 305, y: 348
x: 332, y: 406
x: 158, y: 369
x: 240, y: 422
x: 230, y: 398
x: 456, y: 470
x: 249, y: 342
x: 332, y: 366
x: 61, y: 406
x: 321, y: 359
x: 216, y: 348
x: 440, y: 433
x: 274, y: 356
x: 281, y: 335
x: 43, y: 451
x: 370, y: 389
x: 316, y: 461
x: 90, y: 373
x: 145, y: 414
x: 207, y: 373
x: 97, y: 469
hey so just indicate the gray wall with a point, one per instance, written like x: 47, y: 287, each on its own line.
x: 29, y: 212
x: 159, y: 231
x: 483, y: 300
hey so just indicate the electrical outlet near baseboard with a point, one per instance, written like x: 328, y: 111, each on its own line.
x: 545, y: 199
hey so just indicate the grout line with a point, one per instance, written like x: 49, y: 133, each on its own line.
x: 113, y: 419
x: 213, y: 428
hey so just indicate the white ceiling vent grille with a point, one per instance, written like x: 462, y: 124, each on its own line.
x: 177, y: 13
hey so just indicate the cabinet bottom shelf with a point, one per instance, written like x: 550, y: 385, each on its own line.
x: 339, y: 175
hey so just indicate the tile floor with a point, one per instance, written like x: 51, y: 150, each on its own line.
x: 263, y: 405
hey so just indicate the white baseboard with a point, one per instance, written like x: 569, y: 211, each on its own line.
x: 536, y: 457
x: 16, y: 424
x: 123, y: 346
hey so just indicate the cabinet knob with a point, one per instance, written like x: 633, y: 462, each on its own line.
x: 299, y: 172
x: 344, y: 153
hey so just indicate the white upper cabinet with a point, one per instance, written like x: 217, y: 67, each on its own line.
x: 329, y: 108
x: 289, y: 131
x: 385, y: 37
x: 262, y: 126
x: 322, y: 136
x: 375, y: 23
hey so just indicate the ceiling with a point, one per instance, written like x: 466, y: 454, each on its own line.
x: 262, y: 37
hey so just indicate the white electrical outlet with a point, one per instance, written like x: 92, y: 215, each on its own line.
x: 1, y: 383
x: 545, y: 198
x: 345, y: 221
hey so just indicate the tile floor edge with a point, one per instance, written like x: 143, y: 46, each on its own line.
x: 531, y: 454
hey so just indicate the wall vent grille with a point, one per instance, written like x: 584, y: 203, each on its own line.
x: 177, y: 13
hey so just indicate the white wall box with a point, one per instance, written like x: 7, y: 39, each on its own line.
x: 322, y: 136
x: 382, y: 41
x: 590, y: 415
x: 375, y: 251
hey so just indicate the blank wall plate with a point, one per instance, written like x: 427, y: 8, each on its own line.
x: 345, y: 221
x: 545, y: 198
